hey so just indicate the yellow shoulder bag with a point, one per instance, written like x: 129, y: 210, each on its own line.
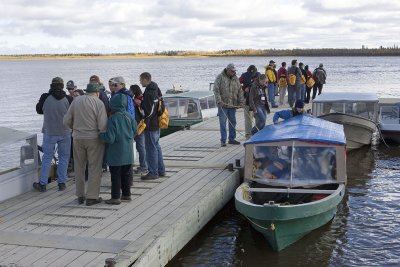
x: 163, y: 118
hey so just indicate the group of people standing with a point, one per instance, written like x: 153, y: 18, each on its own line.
x: 103, y: 131
x: 256, y: 93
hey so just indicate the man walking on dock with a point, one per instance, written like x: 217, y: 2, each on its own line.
x: 54, y: 105
x: 319, y: 76
x: 229, y: 97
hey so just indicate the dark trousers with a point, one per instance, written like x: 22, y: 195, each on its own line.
x: 308, y: 94
x: 315, y: 87
x: 120, y: 181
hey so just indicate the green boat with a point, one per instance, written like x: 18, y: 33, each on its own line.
x: 295, y: 176
x: 186, y: 109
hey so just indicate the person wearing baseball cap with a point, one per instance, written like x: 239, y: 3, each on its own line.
x: 229, y: 96
x: 88, y: 118
x: 54, y: 105
x: 290, y: 113
x: 71, y: 87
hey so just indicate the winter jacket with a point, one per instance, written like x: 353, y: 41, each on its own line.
x: 285, y: 114
x: 131, y: 106
x: 319, y: 75
x: 121, y: 130
x: 246, y: 79
x: 86, y: 117
x: 256, y: 92
x: 104, y: 98
x: 269, y: 72
x: 228, y: 90
x: 283, y: 71
x: 54, y: 105
x: 150, y: 103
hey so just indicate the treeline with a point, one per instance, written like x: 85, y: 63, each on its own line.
x: 319, y: 52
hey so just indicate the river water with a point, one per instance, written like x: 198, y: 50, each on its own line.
x: 365, y: 229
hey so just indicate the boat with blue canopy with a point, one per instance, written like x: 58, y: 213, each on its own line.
x: 295, y: 176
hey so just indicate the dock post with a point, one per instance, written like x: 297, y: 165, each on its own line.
x: 110, y: 262
x: 237, y: 162
x: 230, y: 167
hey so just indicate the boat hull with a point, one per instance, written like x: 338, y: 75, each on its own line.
x: 391, y: 136
x: 358, y: 130
x: 284, y: 225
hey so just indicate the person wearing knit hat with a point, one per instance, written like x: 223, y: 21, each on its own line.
x: 54, y: 105
x: 290, y: 113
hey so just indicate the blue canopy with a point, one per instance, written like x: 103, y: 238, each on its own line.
x: 302, y: 128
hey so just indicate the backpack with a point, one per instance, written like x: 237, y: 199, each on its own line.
x: 282, y: 81
x: 292, y: 79
x: 163, y: 118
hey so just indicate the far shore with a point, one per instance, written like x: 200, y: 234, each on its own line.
x: 315, y: 52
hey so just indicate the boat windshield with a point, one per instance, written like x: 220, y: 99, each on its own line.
x: 363, y: 109
x: 389, y: 115
x: 182, y: 108
x: 294, y: 165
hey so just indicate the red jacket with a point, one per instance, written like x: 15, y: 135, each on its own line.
x: 284, y: 71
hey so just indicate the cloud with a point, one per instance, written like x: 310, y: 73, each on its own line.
x: 77, y: 26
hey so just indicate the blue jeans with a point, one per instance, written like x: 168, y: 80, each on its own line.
x: 294, y: 93
x: 154, y: 156
x: 302, y: 92
x: 223, y: 115
x: 64, y: 149
x: 261, y: 117
x: 271, y: 94
x: 140, y: 147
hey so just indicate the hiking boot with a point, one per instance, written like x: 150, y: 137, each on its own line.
x: 149, y: 177
x: 90, y: 202
x: 61, y: 187
x: 234, y: 142
x: 140, y: 170
x: 162, y: 174
x: 81, y: 200
x: 126, y: 198
x: 39, y: 187
x: 223, y: 144
x: 113, y: 201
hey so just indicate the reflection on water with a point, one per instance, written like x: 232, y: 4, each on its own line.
x: 363, y: 233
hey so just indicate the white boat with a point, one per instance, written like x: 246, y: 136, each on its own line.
x: 15, y: 180
x: 389, y: 119
x: 357, y: 112
x: 186, y: 109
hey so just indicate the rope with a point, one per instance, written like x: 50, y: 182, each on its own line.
x: 381, y: 136
x: 232, y: 106
x: 272, y: 227
x: 246, y: 194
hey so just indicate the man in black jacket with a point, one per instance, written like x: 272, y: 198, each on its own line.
x: 54, y: 105
x: 150, y: 104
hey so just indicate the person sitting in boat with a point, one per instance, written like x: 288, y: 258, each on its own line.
x: 290, y: 113
x: 269, y: 165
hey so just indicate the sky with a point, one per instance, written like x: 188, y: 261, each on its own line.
x: 133, y: 26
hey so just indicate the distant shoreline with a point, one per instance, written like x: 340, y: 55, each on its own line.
x: 322, y: 52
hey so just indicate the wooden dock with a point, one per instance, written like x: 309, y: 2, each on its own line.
x: 51, y: 229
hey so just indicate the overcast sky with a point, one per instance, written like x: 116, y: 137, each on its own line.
x: 119, y: 26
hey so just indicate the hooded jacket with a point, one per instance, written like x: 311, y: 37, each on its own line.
x: 54, y: 105
x: 121, y: 130
x: 150, y: 103
x: 269, y: 72
x: 228, y: 90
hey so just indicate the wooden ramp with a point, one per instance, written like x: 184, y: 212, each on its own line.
x: 51, y: 229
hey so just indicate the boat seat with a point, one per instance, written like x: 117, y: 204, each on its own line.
x: 291, y: 190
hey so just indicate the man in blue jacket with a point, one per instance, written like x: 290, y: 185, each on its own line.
x: 290, y: 113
